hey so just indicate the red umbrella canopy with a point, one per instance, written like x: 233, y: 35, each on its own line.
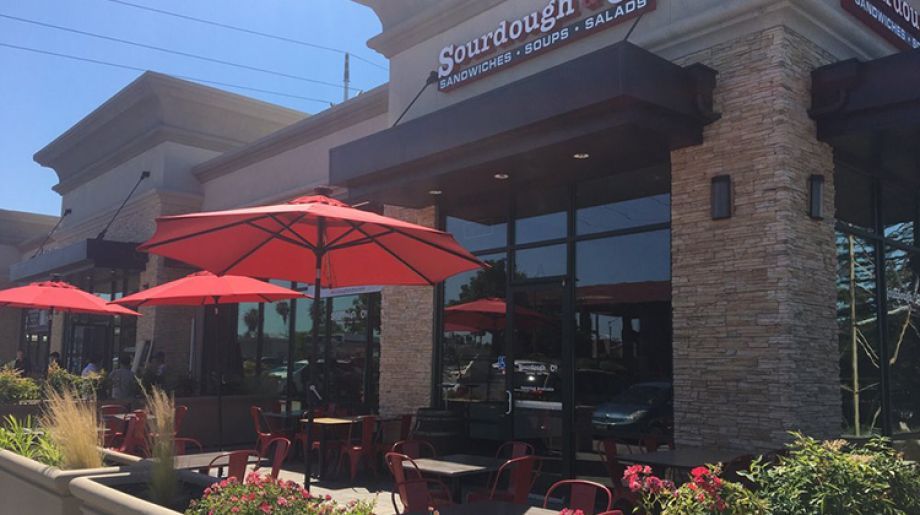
x: 203, y: 288
x: 284, y: 241
x: 59, y: 296
x: 488, y: 314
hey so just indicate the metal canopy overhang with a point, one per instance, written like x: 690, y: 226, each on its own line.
x: 79, y: 256
x: 621, y: 103
x: 870, y: 112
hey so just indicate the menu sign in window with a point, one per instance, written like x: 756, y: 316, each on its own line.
x: 895, y: 20
x: 513, y: 41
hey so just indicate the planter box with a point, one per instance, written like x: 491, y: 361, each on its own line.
x: 38, y: 488
x: 100, y: 495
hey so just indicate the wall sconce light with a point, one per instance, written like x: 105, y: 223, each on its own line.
x: 721, y: 197
x: 816, y: 197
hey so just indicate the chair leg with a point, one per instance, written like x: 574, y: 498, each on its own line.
x: 354, y: 459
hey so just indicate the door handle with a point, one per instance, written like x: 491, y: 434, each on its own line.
x: 508, y: 393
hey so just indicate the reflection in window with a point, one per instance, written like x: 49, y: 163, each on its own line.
x: 540, y: 228
x: 478, y: 235
x: 634, y: 258
x: 540, y: 262
x: 247, y: 335
x: 899, y: 213
x: 623, y: 201
x: 903, y: 297
x: 857, y: 319
x: 472, y: 344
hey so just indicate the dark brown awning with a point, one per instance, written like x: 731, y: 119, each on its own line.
x: 622, y: 102
x: 79, y: 256
x: 870, y: 111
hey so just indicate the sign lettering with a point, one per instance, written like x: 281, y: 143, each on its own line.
x: 536, y: 33
x: 895, y: 20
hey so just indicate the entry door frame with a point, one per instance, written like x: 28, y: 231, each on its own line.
x: 561, y: 286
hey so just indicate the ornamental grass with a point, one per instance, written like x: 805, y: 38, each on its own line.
x: 164, y: 480
x: 73, y: 428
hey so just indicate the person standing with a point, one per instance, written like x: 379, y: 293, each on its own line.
x: 91, y: 367
x: 54, y: 359
x: 22, y: 364
x: 123, y: 380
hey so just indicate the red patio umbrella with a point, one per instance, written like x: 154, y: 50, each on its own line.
x: 205, y: 288
x: 313, y: 239
x: 59, y: 296
x: 488, y: 314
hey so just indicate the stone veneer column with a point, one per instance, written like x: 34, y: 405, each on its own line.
x: 406, y: 314
x: 755, y: 346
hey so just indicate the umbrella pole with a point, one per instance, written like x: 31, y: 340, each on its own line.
x: 317, y: 298
x: 220, y: 387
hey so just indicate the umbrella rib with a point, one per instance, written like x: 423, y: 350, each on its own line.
x: 331, y: 244
x: 390, y: 252
x: 357, y: 243
x: 253, y: 250
x: 277, y: 234
x: 303, y: 240
x: 147, y: 246
x: 435, y: 245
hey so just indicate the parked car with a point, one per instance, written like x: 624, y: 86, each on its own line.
x: 641, y: 409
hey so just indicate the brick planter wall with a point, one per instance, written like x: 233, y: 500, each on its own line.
x: 754, y: 295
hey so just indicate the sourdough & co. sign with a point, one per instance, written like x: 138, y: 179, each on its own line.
x: 534, y: 33
x: 895, y: 20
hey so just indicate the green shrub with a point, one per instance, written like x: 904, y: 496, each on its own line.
x: 23, y: 439
x: 60, y: 380
x: 837, y: 477
x: 16, y: 388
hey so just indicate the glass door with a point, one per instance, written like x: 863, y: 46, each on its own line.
x: 536, y: 372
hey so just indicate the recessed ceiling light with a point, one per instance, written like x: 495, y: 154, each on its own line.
x: 501, y: 176
x: 581, y: 155
x: 435, y: 192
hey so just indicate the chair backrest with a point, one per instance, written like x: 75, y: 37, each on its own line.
x: 179, y: 417
x: 411, y: 488
x: 514, y: 450
x: 112, y: 409
x: 182, y: 445
x: 282, y: 447
x: 135, y: 441
x: 405, y: 426
x: 236, y: 462
x: 256, y: 413
x: 650, y: 443
x: 415, y: 449
x: 368, y: 430
x: 582, y: 495
x: 615, y: 469
x: 519, y: 472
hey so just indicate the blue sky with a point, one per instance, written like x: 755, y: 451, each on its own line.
x: 41, y: 96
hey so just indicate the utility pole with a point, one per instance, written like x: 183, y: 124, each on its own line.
x: 346, y: 80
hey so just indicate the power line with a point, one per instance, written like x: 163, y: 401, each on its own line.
x: 169, y: 51
x: 185, y: 77
x: 245, y: 30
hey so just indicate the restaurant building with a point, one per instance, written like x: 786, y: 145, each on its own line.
x: 700, y: 218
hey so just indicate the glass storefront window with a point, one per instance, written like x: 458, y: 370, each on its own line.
x: 857, y: 316
x: 247, y: 336
x: 903, y: 298
x: 535, y: 263
x: 623, y: 201
x: 540, y: 216
x: 478, y: 235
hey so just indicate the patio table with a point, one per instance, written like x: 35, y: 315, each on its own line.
x: 203, y: 460
x: 287, y: 418
x: 494, y: 508
x: 324, y: 423
x: 455, y: 467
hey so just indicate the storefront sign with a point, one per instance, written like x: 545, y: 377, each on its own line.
x: 895, y: 20
x: 344, y: 291
x: 36, y: 321
x: 537, y: 32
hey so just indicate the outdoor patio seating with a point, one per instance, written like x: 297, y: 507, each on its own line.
x: 415, y: 449
x: 414, y: 491
x: 236, y: 463
x: 115, y: 428
x: 135, y: 438
x: 361, y: 450
x: 583, y: 495
x: 615, y: 470
x: 519, y: 475
x: 182, y: 445
x: 179, y: 417
x: 263, y: 434
x: 282, y: 447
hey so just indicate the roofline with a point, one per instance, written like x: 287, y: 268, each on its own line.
x: 145, y: 85
x: 341, y: 116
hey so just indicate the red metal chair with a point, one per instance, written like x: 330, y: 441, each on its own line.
x: 405, y: 427
x: 182, y: 445
x: 358, y: 451
x: 236, y: 463
x: 615, y: 469
x: 115, y: 428
x: 181, y: 411
x: 263, y: 434
x: 135, y: 439
x: 336, y: 437
x: 282, y: 447
x: 514, y: 449
x: 582, y: 495
x: 520, y: 479
x: 413, y: 489
x: 415, y: 449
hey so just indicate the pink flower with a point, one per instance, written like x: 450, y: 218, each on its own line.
x: 266, y: 508
x: 282, y: 501
x: 699, y: 471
